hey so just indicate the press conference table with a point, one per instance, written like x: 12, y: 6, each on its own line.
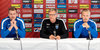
x: 46, y: 44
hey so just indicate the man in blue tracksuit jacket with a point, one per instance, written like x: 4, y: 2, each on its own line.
x: 11, y: 24
x: 85, y: 25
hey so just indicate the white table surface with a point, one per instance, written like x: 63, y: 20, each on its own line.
x: 47, y: 44
x: 73, y: 44
x: 9, y: 44
x: 95, y: 44
x: 38, y: 44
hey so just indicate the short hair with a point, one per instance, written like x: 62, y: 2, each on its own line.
x: 53, y: 9
x: 85, y: 10
x: 12, y: 9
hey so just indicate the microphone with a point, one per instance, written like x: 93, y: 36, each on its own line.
x: 16, y: 34
x: 56, y: 27
x: 17, y: 38
x: 90, y: 38
x: 54, y: 33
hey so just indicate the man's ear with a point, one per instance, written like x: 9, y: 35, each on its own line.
x: 89, y: 16
x: 57, y: 15
x: 81, y: 16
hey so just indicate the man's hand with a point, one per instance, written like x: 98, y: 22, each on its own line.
x: 15, y: 26
x: 52, y: 37
x: 58, y: 37
x: 12, y: 25
x: 85, y: 25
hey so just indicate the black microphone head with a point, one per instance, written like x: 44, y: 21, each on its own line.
x: 16, y: 31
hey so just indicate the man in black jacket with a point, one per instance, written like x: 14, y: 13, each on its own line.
x: 53, y: 28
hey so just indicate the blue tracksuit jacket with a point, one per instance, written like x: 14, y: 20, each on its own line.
x: 81, y: 32
x: 5, y: 24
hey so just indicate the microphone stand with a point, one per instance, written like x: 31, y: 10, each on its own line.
x: 16, y: 38
x: 90, y: 38
x: 56, y: 39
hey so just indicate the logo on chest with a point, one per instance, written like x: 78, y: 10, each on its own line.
x: 47, y: 25
x: 8, y: 25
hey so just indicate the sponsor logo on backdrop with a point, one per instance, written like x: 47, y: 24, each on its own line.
x: 84, y: 6
x: 47, y: 10
x: 60, y: 16
x: 50, y: 1
x: 27, y: 20
x: 95, y: 10
x: 27, y: 6
x: 95, y: 15
x: 73, y: 1
x: 71, y: 20
x: 27, y: 1
x: 95, y: 1
x: 38, y: 6
x: 72, y: 10
x: 72, y: 6
x: 26, y: 10
x: 38, y: 1
x: 36, y: 29
x: 47, y: 15
x: 50, y: 5
x: 37, y: 25
x: 28, y: 24
x: 80, y: 16
x: 18, y: 11
x: 70, y: 25
x: 61, y: 1
x: 95, y: 6
x: 98, y: 25
x: 16, y: 5
x: 61, y: 10
x: 15, y: 1
x: 61, y: 6
x: 38, y: 10
x: 98, y: 29
x: 28, y: 29
x: 84, y: 1
x: 96, y: 20
x: 72, y: 15
x: 27, y: 15
x: 38, y: 20
x: 38, y: 15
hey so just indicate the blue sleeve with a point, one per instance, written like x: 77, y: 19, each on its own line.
x: 93, y: 30
x: 4, y: 30
x: 21, y: 29
x: 77, y: 30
